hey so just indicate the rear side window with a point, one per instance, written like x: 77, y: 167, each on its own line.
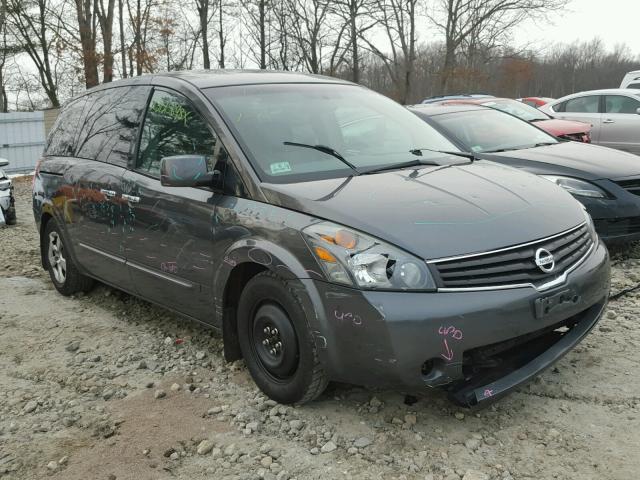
x: 634, y: 85
x: 171, y: 127
x: 590, y: 104
x: 110, y: 124
x: 621, y: 104
x: 62, y: 139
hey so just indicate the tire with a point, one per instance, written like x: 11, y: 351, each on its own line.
x: 63, y: 272
x: 10, y: 216
x: 270, y: 319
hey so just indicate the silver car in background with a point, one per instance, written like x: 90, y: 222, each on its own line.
x: 614, y: 114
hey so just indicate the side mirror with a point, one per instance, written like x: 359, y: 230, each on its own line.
x: 4, y: 162
x: 187, y: 171
x: 638, y: 111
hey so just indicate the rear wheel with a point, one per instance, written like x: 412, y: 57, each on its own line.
x: 276, y: 343
x: 63, y: 272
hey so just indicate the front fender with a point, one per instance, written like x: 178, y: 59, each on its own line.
x: 297, y: 272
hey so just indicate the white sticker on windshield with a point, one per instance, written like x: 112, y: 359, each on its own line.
x: 476, y: 148
x: 280, y: 167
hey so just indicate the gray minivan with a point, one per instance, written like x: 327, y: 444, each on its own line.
x: 328, y: 232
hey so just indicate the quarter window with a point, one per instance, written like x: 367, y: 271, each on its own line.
x: 173, y: 127
x: 588, y: 104
x: 634, y: 85
x: 621, y: 104
x: 62, y: 139
x: 110, y: 124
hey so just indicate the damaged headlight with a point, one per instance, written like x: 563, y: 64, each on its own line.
x: 579, y: 188
x: 356, y: 259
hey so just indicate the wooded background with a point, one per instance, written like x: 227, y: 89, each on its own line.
x: 406, y: 49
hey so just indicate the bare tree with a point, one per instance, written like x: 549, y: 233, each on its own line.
x: 3, y: 54
x: 309, y: 30
x: 206, y: 11
x: 123, y: 49
x: 29, y: 20
x: 105, y: 19
x: 356, y: 15
x: 464, y: 20
x: 398, y: 19
x: 258, y: 18
x: 87, y: 19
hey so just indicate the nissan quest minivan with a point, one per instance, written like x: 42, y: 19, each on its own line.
x: 328, y: 232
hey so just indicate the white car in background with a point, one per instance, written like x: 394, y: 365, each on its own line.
x: 7, y: 202
x: 614, y: 115
x: 631, y: 80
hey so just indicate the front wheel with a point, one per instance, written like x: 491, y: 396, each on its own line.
x: 63, y: 272
x: 276, y: 343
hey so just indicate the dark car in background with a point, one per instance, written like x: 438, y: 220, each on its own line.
x: 606, y: 181
x: 325, y: 229
x: 565, y: 129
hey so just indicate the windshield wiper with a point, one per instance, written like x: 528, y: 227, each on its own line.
x: 328, y: 151
x: 396, y: 166
x: 544, y: 144
x: 469, y: 156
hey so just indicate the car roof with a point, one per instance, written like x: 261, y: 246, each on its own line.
x: 222, y: 78
x: 461, y: 96
x: 202, y: 79
x: 607, y: 91
x: 430, y: 110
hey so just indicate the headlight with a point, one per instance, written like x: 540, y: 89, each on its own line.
x: 580, y: 188
x: 353, y: 258
x: 591, y: 226
x: 5, y: 184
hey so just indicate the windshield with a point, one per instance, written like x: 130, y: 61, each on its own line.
x: 491, y: 130
x: 519, y: 109
x: 364, y: 128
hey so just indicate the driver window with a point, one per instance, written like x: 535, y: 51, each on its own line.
x: 173, y: 127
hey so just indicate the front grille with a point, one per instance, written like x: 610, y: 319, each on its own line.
x: 514, y: 265
x: 631, y: 186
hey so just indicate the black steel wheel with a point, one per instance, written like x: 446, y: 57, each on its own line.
x: 276, y: 343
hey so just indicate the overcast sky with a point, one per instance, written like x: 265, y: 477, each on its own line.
x: 614, y: 21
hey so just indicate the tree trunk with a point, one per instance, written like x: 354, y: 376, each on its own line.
x: 106, y: 28
x: 354, y: 40
x: 122, y: 47
x: 263, y: 38
x: 222, y: 40
x: 202, y: 6
x: 85, y: 17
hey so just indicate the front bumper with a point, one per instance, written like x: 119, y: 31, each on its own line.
x: 413, y: 341
x: 617, y: 220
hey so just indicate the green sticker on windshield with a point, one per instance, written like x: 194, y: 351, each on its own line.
x: 280, y: 167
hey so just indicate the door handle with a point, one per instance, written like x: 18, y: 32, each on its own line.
x: 131, y: 198
x: 108, y: 193
x: 608, y: 120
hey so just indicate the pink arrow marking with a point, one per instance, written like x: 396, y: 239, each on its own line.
x: 449, y: 355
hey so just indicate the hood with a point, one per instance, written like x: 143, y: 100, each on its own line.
x: 559, y: 127
x: 437, y: 212
x: 582, y: 160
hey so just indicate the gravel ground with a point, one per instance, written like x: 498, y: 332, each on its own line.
x: 105, y: 386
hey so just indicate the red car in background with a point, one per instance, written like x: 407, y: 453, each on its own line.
x: 535, y: 102
x: 565, y: 129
